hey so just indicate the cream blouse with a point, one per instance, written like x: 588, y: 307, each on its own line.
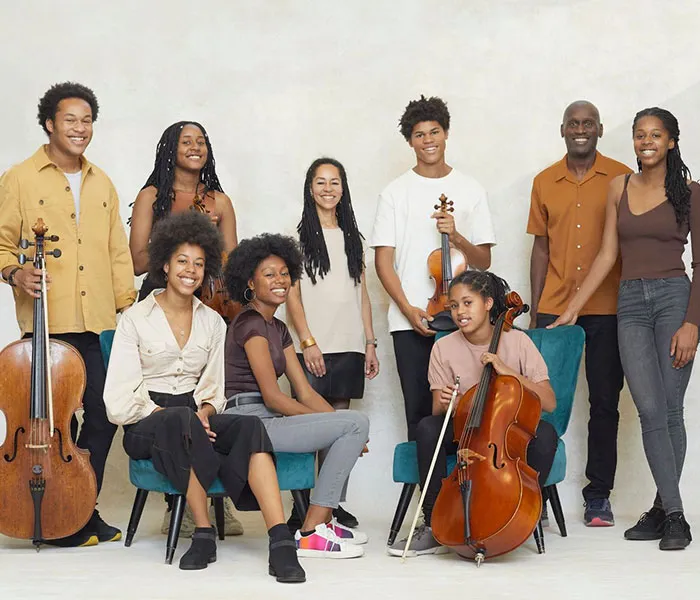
x: 146, y: 358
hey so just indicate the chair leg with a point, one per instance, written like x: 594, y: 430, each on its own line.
x: 136, y: 512
x: 539, y: 537
x: 301, y: 502
x: 175, y: 524
x: 554, y: 502
x: 218, y: 502
x: 401, y: 509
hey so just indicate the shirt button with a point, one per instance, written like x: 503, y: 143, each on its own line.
x: 80, y: 241
x: 72, y: 215
x: 578, y: 268
x: 578, y: 288
x: 179, y: 358
x: 578, y: 246
x: 179, y: 370
x: 104, y: 204
x: 81, y: 267
x: 68, y: 188
x: 82, y: 293
x: 578, y: 225
x: 41, y: 202
x: 579, y: 205
x: 174, y: 388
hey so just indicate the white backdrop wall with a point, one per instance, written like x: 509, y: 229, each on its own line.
x: 279, y: 83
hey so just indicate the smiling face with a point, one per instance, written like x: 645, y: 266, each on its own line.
x: 271, y: 281
x: 469, y: 310
x: 581, y: 129
x: 70, y: 131
x: 192, y: 149
x: 185, y: 270
x: 651, y: 141
x: 327, y: 187
x: 428, y: 140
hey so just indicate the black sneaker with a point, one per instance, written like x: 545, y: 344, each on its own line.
x: 598, y: 513
x: 345, y: 518
x: 80, y: 539
x: 676, y: 534
x: 649, y: 527
x: 202, y: 552
x: 103, y: 531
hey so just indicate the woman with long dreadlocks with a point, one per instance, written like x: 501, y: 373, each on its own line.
x: 330, y: 309
x: 649, y: 216
x: 183, y: 178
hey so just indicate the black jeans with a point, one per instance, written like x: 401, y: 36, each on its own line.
x: 97, y: 432
x: 412, y: 352
x: 605, y: 379
x: 540, y: 455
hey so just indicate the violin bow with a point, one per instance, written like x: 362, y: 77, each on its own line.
x: 448, y: 414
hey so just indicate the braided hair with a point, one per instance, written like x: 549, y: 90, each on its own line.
x: 487, y: 285
x: 163, y: 173
x: 677, y: 172
x: 311, y: 240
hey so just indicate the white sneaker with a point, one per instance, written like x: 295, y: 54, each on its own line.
x: 324, y: 543
x: 351, y: 536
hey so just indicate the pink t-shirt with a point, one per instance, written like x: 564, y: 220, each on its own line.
x: 453, y: 355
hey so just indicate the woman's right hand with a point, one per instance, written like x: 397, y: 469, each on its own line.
x: 446, y: 396
x: 313, y: 359
x: 568, y: 317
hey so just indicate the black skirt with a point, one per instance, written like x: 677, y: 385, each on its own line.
x: 344, y: 378
x: 175, y: 440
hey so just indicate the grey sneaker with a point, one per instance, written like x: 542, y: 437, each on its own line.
x: 423, y: 542
x: 598, y: 513
x: 232, y: 526
x: 187, y: 527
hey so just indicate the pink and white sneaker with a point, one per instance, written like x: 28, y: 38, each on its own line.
x: 324, y: 543
x: 352, y: 536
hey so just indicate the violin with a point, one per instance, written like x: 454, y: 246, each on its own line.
x: 443, y: 264
x: 491, y: 502
x: 214, y: 292
x: 48, y: 486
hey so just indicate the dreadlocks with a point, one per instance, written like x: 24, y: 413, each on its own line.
x: 487, y: 285
x: 163, y: 173
x: 311, y: 240
x: 677, y: 172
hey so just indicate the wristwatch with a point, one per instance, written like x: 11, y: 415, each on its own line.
x: 371, y: 342
x: 11, y: 276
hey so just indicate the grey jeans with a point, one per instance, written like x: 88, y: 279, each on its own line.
x: 344, y: 433
x: 649, y: 312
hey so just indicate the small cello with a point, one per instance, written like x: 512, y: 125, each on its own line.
x: 443, y: 264
x: 491, y: 502
x: 48, y: 488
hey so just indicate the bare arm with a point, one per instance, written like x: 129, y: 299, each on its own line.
x: 477, y: 256
x: 539, y: 261
x: 313, y: 355
x: 308, y: 397
x: 141, y: 224
x: 371, y: 360
x: 227, y: 221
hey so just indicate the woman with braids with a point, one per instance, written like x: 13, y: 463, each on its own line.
x: 330, y: 309
x: 165, y: 385
x: 259, y: 350
x: 183, y: 178
x: 476, y: 300
x: 648, y: 218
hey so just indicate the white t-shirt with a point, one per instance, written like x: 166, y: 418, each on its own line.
x: 403, y: 222
x: 74, y: 180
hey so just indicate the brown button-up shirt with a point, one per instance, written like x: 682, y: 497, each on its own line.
x: 94, y: 276
x: 571, y: 214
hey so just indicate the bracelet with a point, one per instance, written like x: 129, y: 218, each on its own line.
x: 11, y: 276
x: 371, y: 342
x: 307, y: 343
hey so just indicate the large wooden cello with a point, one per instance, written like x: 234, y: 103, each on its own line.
x: 48, y: 488
x: 491, y: 502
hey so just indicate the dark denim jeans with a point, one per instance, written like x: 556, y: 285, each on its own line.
x: 649, y: 312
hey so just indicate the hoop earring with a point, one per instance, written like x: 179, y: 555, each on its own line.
x: 245, y: 295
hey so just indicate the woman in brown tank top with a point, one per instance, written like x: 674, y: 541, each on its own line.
x: 648, y: 218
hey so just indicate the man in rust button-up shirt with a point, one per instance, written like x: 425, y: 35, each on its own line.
x: 566, y: 217
x: 94, y: 277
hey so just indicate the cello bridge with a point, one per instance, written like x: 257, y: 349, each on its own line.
x: 467, y: 457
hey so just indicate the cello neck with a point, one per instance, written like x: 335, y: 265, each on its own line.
x: 39, y: 348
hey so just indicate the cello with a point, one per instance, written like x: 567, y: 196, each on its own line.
x: 491, y: 502
x: 444, y: 264
x: 48, y: 486
x: 214, y: 292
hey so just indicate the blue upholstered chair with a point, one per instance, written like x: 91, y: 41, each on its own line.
x: 295, y: 472
x: 561, y: 349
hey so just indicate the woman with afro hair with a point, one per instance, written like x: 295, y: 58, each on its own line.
x: 165, y: 385
x: 260, y: 273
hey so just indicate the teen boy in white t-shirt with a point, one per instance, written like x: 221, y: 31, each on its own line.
x: 407, y: 229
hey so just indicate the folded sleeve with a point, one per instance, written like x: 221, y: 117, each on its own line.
x: 532, y: 363
x: 480, y: 223
x: 249, y: 325
x: 120, y: 256
x: 11, y: 222
x: 439, y: 372
x: 537, y: 221
x: 210, y: 387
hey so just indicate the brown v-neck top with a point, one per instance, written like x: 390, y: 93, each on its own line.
x: 652, y: 244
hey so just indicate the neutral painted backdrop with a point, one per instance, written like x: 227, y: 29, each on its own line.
x: 279, y: 83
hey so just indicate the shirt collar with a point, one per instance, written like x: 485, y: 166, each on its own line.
x: 42, y: 160
x: 150, y: 301
x: 561, y: 171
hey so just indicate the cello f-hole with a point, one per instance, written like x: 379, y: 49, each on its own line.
x: 495, y: 456
x: 7, y: 457
x: 68, y: 457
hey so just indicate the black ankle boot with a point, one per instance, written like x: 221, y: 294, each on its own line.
x: 676, y: 534
x: 202, y: 551
x: 345, y: 518
x: 283, y: 563
x: 649, y: 527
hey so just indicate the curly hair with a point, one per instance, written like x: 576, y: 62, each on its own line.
x: 48, y: 104
x: 163, y: 173
x: 246, y: 257
x: 425, y: 109
x: 487, y: 285
x: 677, y: 172
x: 188, y: 227
x: 311, y: 240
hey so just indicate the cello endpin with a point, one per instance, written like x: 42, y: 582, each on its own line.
x: 479, y: 558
